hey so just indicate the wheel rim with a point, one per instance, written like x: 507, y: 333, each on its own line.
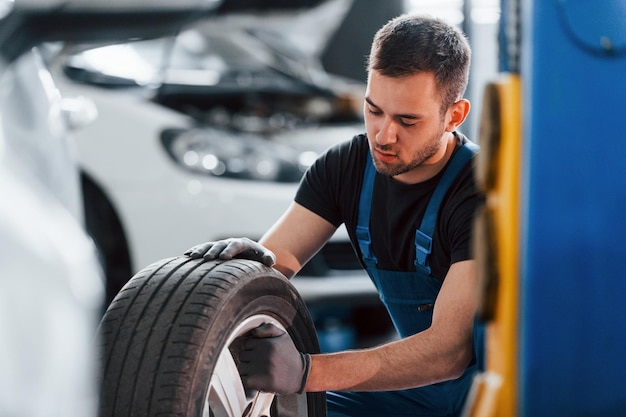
x: 226, y: 395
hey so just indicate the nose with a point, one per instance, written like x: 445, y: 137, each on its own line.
x: 387, y: 132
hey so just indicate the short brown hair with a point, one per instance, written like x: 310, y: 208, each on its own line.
x: 411, y: 44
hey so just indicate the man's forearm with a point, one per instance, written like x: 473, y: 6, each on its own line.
x: 407, y: 363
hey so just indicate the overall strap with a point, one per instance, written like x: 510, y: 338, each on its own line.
x: 424, y: 234
x: 363, y: 235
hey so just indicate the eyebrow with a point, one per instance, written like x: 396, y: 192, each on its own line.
x: 399, y: 116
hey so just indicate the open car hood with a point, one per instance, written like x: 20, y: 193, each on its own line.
x: 250, y: 48
x: 27, y: 23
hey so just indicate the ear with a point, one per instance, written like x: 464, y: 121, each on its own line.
x: 456, y: 115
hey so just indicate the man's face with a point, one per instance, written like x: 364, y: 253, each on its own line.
x: 405, y: 127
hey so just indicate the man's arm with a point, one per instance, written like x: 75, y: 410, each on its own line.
x: 288, y: 245
x: 296, y: 237
x: 440, y: 353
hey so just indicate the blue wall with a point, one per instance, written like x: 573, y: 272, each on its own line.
x: 573, y: 301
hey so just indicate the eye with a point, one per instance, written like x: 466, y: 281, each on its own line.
x: 374, y: 111
x: 407, y: 122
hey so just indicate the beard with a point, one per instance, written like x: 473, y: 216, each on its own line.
x: 431, y: 147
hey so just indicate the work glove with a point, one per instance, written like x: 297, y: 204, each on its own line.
x: 226, y: 249
x: 270, y: 362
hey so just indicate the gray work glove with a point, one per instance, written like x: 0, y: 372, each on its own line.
x: 270, y: 362
x: 226, y: 249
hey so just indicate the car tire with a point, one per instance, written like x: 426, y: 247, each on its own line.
x: 170, y: 338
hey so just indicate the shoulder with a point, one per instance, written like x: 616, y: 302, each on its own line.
x: 464, y: 190
x: 456, y: 217
x: 464, y: 196
x: 463, y: 140
x: 344, y: 158
x: 329, y: 185
x: 466, y: 177
x: 349, y: 149
x: 461, y: 202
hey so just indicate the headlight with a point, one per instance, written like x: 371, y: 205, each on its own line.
x: 227, y: 154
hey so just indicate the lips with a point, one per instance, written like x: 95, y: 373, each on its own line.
x: 385, y: 157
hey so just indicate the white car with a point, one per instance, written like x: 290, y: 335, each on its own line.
x: 51, y: 291
x: 205, y: 137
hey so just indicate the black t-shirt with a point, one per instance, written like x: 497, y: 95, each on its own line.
x: 331, y: 188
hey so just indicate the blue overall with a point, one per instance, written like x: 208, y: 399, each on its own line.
x: 409, y: 297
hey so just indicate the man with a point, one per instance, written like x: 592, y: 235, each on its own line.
x: 407, y: 196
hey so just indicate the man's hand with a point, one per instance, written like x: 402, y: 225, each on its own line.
x: 270, y: 362
x: 230, y: 248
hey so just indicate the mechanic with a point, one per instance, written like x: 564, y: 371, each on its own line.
x: 406, y: 193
